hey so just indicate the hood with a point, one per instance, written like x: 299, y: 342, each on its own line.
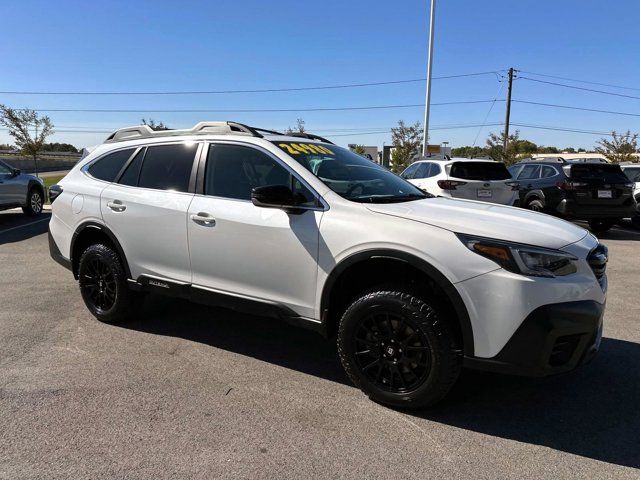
x: 487, y: 220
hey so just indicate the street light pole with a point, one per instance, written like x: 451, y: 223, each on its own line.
x: 425, y: 133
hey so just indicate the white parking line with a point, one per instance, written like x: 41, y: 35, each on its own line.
x: 25, y: 225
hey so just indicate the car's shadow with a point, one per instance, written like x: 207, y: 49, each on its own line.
x: 15, y: 226
x: 593, y: 412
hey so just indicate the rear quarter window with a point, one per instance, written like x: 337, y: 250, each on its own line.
x: 107, y: 167
x: 479, y: 171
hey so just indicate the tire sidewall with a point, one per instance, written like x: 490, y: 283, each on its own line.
x: 29, y: 209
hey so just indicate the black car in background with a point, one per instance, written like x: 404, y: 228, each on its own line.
x: 576, y: 190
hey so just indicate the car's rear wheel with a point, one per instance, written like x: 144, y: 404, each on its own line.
x: 535, y: 205
x: 398, y: 349
x: 103, y: 285
x: 35, y: 202
x: 600, y: 225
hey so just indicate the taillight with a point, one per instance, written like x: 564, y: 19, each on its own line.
x: 514, y: 185
x: 570, y: 185
x: 54, y: 192
x: 450, y: 184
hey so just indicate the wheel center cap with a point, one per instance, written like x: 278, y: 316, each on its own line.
x: 390, y: 351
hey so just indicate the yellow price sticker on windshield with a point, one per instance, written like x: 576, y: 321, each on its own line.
x: 306, y: 148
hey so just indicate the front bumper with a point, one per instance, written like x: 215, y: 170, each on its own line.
x: 568, y: 208
x: 552, y: 339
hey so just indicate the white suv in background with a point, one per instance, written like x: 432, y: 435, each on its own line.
x: 294, y: 227
x: 470, y: 179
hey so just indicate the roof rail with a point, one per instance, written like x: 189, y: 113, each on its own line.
x: 220, y: 128
x: 310, y: 136
x: 544, y: 159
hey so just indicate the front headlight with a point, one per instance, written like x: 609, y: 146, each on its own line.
x: 522, y: 259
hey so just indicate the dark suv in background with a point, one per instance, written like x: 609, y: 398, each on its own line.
x: 586, y: 189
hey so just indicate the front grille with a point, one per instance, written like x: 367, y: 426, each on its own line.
x: 598, y: 258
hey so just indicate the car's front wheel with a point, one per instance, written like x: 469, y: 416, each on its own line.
x: 103, y: 285
x: 35, y: 202
x: 535, y: 205
x: 399, y: 349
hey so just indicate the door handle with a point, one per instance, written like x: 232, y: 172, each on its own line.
x: 203, y: 219
x: 116, y: 206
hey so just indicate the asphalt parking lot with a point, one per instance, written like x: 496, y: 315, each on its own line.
x: 194, y: 392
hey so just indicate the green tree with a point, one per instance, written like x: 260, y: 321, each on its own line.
x: 620, y: 148
x: 19, y: 122
x: 469, y: 152
x: 359, y: 149
x: 157, y: 126
x: 406, y: 141
x: 495, y: 147
x: 59, y: 147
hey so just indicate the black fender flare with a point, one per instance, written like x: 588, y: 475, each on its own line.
x: 422, y: 265
x: 38, y: 185
x: 104, y: 229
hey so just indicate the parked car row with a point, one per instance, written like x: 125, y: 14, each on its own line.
x: 19, y: 189
x: 598, y: 192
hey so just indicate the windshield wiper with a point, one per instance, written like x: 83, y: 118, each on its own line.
x: 398, y: 198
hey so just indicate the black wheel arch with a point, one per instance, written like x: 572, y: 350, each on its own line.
x: 37, y: 185
x: 395, y: 256
x: 91, y: 232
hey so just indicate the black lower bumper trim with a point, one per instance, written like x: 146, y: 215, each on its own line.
x: 552, y: 339
x: 54, y: 251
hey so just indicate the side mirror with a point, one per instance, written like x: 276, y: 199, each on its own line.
x: 15, y: 172
x: 273, y: 196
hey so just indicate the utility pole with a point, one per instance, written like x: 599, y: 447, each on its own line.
x: 508, y: 113
x: 425, y: 133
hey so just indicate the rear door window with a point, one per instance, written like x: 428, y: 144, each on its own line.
x: 529, y: 172
x: 423, y: 170
x: 110, y: 165
x: 168, y: 167
x: 479, y: 171
x: 131, y: 174
x: 633, y: 174
x: 548, y: 171
x: 410, y: 171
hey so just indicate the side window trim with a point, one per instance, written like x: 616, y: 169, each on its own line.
x: 202, y: 163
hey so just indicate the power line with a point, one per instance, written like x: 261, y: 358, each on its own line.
x: 579, y: 88
x: 258, y: 90
x: 495, y: 99
x: 562, y: 129
x: 251, y: 110
x: 581, y: 81
x: 570, y: 107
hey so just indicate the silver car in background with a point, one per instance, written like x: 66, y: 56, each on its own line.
x: 19, y: 189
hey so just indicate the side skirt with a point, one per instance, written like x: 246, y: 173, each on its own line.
x: 219, y: 298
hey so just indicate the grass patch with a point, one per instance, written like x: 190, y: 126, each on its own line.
x: 48, y: 181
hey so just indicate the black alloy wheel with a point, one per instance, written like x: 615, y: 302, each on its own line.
x: 103, y: 285
x: 394, y: 355
x: 99, y: 285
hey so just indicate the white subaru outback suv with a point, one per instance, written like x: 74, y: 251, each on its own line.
x: 294, y: 227
x: 473, y: 179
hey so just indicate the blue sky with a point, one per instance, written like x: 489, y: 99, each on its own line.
x: 188, y: 45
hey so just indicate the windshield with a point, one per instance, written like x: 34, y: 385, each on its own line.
x: 633, y: 173
x: 480, y: 171
x: 350, y: 175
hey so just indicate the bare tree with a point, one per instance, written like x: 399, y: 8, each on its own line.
x: 406, y: 142
x: 155, y: 126
x: 299, y: 128
x: 19, y: 122
x: 620, y: 148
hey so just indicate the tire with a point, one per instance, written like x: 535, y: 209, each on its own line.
x: 35, y: 202
x: 600, y: 225
x: 103, y: 285
x: 535, y: 205
x: 372, y: 334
